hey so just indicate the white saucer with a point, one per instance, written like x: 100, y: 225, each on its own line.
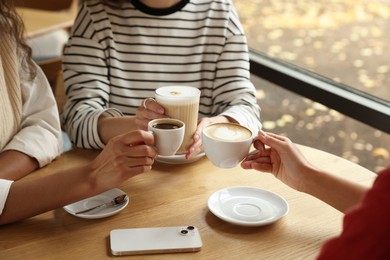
x: 247, y: 206
x: 94, y: 201
x: 178, y: 158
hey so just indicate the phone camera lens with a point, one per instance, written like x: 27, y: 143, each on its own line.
x: 184, y: 232
x: 190, y: 228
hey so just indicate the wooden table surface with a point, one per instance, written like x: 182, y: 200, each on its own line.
x: 38, y: 22
x: 176, y: 195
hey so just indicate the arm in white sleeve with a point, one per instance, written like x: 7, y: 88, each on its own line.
x: 5, y: 185
x: 40, y: 134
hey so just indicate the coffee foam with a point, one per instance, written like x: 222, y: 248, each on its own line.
x: 226, y: 132
x: 177, y: 93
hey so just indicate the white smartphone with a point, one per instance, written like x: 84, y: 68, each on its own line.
x: 137, y: 241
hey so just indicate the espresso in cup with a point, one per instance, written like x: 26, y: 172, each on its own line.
x: 182, y: 103
x: 168, y: 135
x: 226, y: 144
x: 166, y: 125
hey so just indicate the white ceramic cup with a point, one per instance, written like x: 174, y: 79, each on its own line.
x: 168, y: 135
x: 226, y: 144
x: 181, y: 102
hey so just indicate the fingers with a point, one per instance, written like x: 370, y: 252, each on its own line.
x: 267, y: 158
x: 136, y: 137
x: 257, y: 154
x: 140, y: 151
x: 259, y: 166
x: 259, y: 145
x: 143, y: 116
x: 148, y: 110
x: 144, y: 102
x: 152, y: 105
x: 133, y: 162
x: 273, y: 140
x: 133, y: 153
x: 125, y: 161
x: 127, y: 171
x: 202, y: 123
x: 197, y: 147
x: 135, y: 144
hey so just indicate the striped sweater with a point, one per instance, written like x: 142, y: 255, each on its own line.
x: 120, y: 52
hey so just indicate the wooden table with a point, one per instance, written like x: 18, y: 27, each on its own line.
x: 175, y: 195
x: 39, y: 21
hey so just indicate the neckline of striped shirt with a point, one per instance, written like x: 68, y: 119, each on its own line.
x: 159, y: 11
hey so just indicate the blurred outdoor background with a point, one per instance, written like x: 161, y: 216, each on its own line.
x: 345, y: 40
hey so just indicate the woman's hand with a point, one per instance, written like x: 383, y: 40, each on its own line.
x: 281, y: 158
x: 197, y: 146
x: 124, y: 156
x: 148, y: 110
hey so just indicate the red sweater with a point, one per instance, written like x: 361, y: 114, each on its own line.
x: 366, y: 228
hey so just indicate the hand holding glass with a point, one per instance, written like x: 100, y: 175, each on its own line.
x: 182, y: 103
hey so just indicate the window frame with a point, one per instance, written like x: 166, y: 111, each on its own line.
x: 354, y: 103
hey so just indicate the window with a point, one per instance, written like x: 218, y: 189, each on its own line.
x: 336, y: 54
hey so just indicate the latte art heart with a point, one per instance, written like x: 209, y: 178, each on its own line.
x: 228, y: 132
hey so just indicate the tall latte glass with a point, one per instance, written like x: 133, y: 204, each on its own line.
x: 182, y: 103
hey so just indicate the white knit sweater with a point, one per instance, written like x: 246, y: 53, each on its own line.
x: 10, y: 93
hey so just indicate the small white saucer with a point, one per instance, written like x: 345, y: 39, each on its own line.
x: 94, y: 201
x: 178, y: 158
x: 247, y: 206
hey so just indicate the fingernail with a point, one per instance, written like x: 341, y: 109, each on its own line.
x: 263, y: 133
